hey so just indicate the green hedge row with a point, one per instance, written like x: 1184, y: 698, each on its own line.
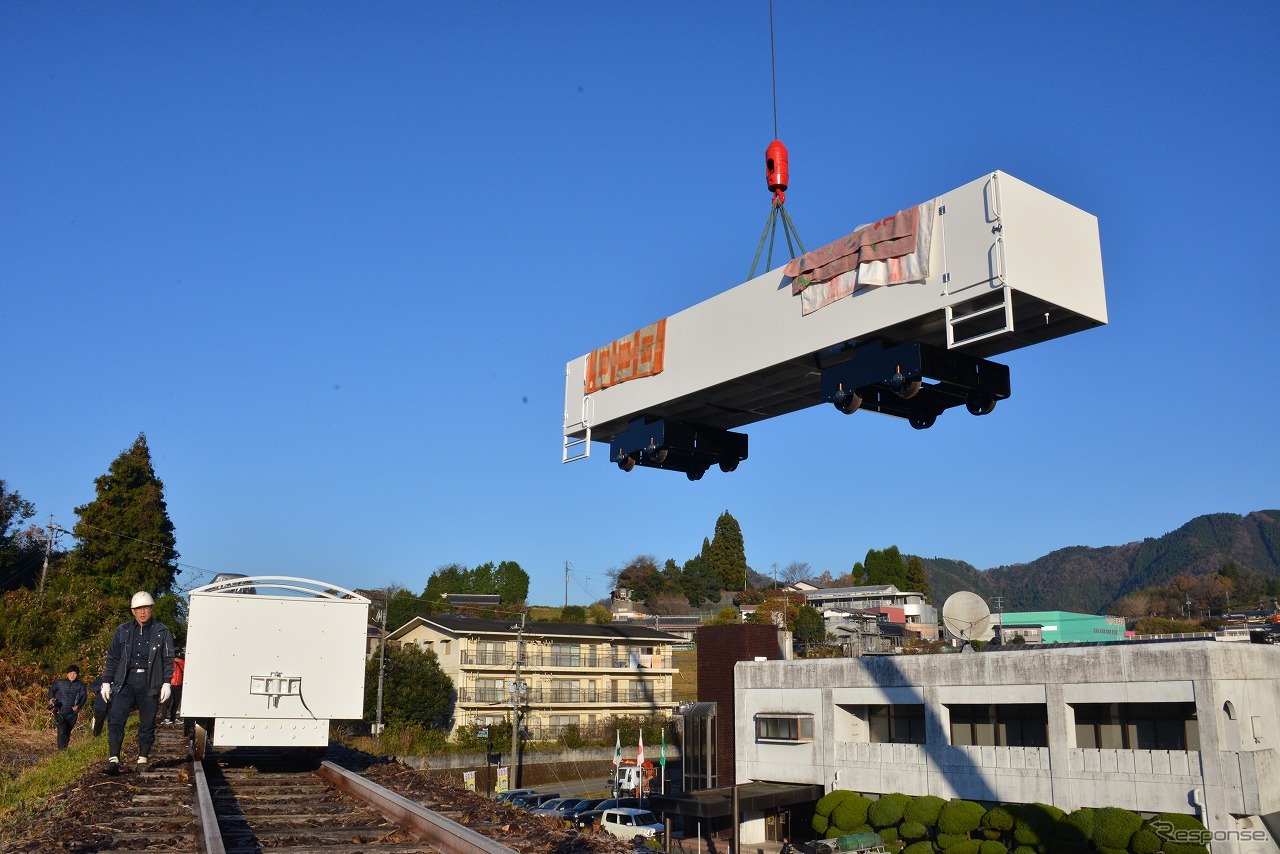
x: 928, y: 824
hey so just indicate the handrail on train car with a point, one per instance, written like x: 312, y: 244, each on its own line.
x: 318, y: 589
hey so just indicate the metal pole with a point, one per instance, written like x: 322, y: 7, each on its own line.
x: 516, y: 691
x: 48, y: 543
x: 566, y: 584
x: 382, y: 654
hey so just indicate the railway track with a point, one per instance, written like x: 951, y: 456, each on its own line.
x: 248, y: 801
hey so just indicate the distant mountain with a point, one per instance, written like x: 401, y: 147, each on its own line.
x: 1089, y: 580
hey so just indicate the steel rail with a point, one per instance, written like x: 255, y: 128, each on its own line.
x: 445, y: 834
x: 206, y: 816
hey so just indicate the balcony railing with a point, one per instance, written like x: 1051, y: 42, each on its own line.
x: 482, y: 695
x: 537, y: 658
x: 491, y: 659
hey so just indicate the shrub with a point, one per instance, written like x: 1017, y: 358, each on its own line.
x: 990, y: 847
x: 924, y: 809
x: 1177, y: 821
x: 1114, y: 827
x: 1144, y: 841
x: 947, y: 841
x: 850, y: 812
x: 998, y: 818
x: 992, y: 834
x: 833, y: 832
x: 1082, y: 820
x: 968, y: 846
x: 1103, y: 849
x: 1025, y: 849
x: 819, y: 823
x: 919, y: 848
x: 958, y: 816
x: 888, y: 810
x: 1025, y: 834
x: 912, y: 830
x: 830, y: 801
x: 888, y: 834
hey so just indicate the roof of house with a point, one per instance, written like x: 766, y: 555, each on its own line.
x: 872, y: 590
x: 458, y: 624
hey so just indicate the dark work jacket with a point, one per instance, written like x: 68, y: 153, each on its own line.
x: 159, y: 658
x: 68, y: 696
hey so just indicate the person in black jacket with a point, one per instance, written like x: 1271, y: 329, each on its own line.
x: 66, y: 698
x: 137, y: 676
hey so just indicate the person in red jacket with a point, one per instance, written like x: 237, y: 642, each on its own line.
x: 169, y: 711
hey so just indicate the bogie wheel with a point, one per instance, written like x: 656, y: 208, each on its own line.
x: 659, y: 456
x: 980, y: 403
x: 627, y: 463
x: 922, y: 420
x: 198, y: 743
x: 849, y: 404
x: 908, y: 390
x: 727, y: 466
x: 695, y: 474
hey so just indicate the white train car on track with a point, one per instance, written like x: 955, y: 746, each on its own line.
x: 271, y: 660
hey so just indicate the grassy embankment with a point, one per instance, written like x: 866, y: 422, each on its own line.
x: 31, y: 769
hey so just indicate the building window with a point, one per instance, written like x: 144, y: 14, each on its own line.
x: 564, y: 691
x: 1001, y: 725
x: 491, y: 652
x: 1137, y: 726
x: 565, y: 655
x: 489, y: 691
x: 784, y: 727
x: 899, y: 724
x: 444, y: 647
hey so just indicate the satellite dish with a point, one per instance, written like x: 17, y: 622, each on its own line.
x: 967, y: 617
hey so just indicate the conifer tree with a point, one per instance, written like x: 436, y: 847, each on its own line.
x: 699, y: 582
x: 125, y: 537
x: 728, y: 553
x: 917, y: 580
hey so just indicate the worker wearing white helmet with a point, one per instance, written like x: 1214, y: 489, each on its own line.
x: 137, y: 676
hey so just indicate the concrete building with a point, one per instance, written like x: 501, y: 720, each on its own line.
x: 1186, y: 727
x: 573, y: 674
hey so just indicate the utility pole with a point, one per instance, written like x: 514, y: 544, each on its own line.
x: 48, y: 543
x: 517, y: 694
x: 382, y: 654
x: 566, y: 584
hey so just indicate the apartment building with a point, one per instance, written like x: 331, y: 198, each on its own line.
x: 1185, y: 726
x: 572, y: 674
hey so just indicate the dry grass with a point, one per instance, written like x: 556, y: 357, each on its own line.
x: 684, y: 684
x: 26, y: 727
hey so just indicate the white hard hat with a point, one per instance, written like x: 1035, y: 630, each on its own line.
x: 141, y: 598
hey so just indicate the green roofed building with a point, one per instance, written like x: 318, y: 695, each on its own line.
x: 1058, y: 627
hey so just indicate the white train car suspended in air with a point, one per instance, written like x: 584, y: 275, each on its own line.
x: 271, y: 660
x: 990, y: 267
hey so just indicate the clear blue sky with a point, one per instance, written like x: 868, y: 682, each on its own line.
x: 333, y: 257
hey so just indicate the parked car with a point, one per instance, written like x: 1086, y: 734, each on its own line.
x: 513, y: 793
x: 586, y: 806
x: 557, y: 807
x: 592, y: 818
x: 534, y: 800
x: 631, y: 822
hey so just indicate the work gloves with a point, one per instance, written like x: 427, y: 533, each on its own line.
x: 164, y: 692
x: 105, y: 693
